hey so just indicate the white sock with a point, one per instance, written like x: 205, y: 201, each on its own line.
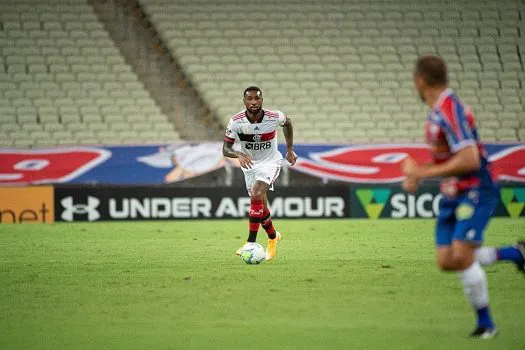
x: 475, y: 285
x: 486, y: 255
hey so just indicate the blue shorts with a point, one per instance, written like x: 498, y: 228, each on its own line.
x: 465, y: 217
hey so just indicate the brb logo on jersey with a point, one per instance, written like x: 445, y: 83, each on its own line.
x: 257, y: 145
x: 87, y: 210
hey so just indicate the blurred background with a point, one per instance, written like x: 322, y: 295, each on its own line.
x: 162, y: 75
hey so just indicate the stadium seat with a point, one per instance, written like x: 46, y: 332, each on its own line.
x: 57, y: 60
x: 62, y: 71
x: 358, y: 50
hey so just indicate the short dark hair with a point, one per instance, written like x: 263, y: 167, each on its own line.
x: 251, y: 88
x: 432, y: 69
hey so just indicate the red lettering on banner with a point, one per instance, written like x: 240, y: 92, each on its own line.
x: 51, y: 165
x: 381, y: 164
x: 363, y: 163
x: 509, y: 164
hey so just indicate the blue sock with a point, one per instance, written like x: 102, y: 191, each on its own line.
x: 510, y: 254
x: 484, y: 319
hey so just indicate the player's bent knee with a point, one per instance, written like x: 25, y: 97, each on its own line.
x: 461, y: 261
x: 443, y: 258
x: 259, y: 190
x: 445, y: 265
x: 454, y: 262
x: 463, y: 254
x: 257, y: 195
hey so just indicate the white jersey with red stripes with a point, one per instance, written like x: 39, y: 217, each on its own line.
x: 258, y: 139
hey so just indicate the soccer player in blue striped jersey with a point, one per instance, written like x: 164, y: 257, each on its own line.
x: 469, y: 193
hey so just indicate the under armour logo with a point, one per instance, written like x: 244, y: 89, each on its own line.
x: 257, y: 138
x: 89, y: 209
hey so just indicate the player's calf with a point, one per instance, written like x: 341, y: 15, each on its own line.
x: 255, y: 217
x: 256, y: 213
x: 257, y: 195
x: 460, y: 257
x: 267, y: 224
x: 475, y: 286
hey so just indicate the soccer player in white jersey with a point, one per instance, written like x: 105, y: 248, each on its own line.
x: 259, y: 158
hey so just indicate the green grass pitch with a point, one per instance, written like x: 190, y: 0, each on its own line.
x: 337, y: 284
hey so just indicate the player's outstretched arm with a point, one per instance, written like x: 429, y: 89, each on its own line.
x: 244, y: 159
x: 464, y: 161
x: 291, y: 157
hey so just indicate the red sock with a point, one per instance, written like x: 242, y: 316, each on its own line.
x: 256, y: 214
x: 267, y: 224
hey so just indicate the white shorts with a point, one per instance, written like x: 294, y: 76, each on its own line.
x: 265, y: 172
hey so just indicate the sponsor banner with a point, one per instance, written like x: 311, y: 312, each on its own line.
x: 393, y: 202
x: 512, y: 202
x: 381, y: 163
x: 38, y: 166
x: 22, y: 205
x: 161, y: 164
x: 160, y: 203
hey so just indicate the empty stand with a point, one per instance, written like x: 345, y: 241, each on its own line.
x: 63, y: 81
x: 342, y: 69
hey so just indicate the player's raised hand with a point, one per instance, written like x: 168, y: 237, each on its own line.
x: 409, y: 167
x: 410, y: 185
x: 245, y: 160
x: 291, y: 157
